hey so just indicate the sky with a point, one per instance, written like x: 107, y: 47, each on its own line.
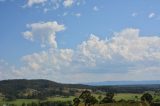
x: 75, y: 41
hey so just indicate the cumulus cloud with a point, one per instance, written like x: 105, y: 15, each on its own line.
x: 45, y: 32
x: 125, y: 52
x: 127, y: 55
x: 53, y: 59
x: 126, y: 45
x: 68, y: 3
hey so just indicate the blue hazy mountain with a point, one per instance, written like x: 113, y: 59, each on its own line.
x: 124, y: 83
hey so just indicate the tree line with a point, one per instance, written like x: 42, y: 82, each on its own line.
x: 89, y: 100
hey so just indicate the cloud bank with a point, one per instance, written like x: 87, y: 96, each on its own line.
x: 127, y: 55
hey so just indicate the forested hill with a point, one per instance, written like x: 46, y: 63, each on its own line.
x: 22, y: 88
x: 36, y: 84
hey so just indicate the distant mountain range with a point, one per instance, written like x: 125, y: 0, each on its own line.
x: 149, y: 82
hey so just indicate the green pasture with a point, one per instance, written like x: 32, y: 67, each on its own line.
x: 18, y: 102
x: 70, y: 98
x: 117, y: 97
x: 127, y: 96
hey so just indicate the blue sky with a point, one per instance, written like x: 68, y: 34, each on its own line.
x: 88, y: 40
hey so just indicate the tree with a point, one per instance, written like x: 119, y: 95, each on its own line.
x: 85, y: 96
x: 33, y: 104
x: 76, y: 101
x: 41, y: 96
x: 23, y: 104
x: 147, y: 98
x: 108, y: 98
x: 136, y: 98
x: 100, y: 97
x: 93, y: 100
x: 10, y: 98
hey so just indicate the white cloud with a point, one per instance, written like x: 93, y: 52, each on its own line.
x: 78, y: 14
x: 68, y: 3
x: 28, y: 35
x: 33, y: 2
x: 127, y: 45
x: 151, y: 15
x: 95, y: 8
x: 126, y: 52
x: 45, y: 32
x: 52, y: 5
x: 56, y: 60
x: 125, y: 56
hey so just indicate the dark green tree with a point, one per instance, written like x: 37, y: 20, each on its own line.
x: 136, y: 98
x: 85, y: 96
x: 100, y: 98
x: 147, y: 98
x: 33, y: 104
x: 108, y: 98
x: 93, y: 100
x: 23, y: 104
x: 76, y: 101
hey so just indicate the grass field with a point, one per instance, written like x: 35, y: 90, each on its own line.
x: 18, y: 102
x: 61, y: 98
x: 125, y: 96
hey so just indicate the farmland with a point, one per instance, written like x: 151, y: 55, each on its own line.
x: 117, y: 97
x: 48, y: 93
